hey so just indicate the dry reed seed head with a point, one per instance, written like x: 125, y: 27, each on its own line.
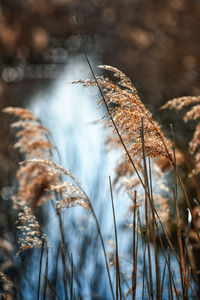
x: 31, y: 132
x: 5, y: 246
x: 31, y: 147
x: 6, y: 284
x: 32, y: 135
x: 36, y: 177
x: 130, y: 184
x: 160, y: 197
x: 196, y: 170
x: 67, y: 202
x: 29, y: 228
x: 123, y: 79
x: 194, y: 147
x: 33, y: 142
x: 181, y: 102
x: 193, y: 113
x: 162, y: 207
x: 34, y: 180
x: 22, y: 113
x: 195, y: 142
x: 51, y: 167
x: 112, y: 141
x: 68, y: 189
x: 30, y: 125
x: 165, y: 165
x: 44, y: 177
x: 125, y: 170
x: 71, y: 196
x: 127, y: 111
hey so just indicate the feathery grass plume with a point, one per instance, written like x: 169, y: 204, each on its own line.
x: 32, y: 142
x: 6, y: 251
x: 30, y: 229
x: 38, y: 176
x: 125, y: 178
x: 70, y: 194
x: 192, y: 114
x: 7, y: 286
x: 22, y: 113
x: 127, y: 112
x: 33, y: 180
x: 5, y: 246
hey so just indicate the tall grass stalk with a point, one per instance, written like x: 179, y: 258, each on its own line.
x: 40, y: 269
x: 118, y: 279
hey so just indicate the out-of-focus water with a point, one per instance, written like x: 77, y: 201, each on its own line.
x: 70, y: 113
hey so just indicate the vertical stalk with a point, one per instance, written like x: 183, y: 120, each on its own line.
x: 147, y: 192
x: 45, y: 278
x: 72, y: 278
x: 134, y: 273
x: 40, y: 269
x: 154, y: 238
x: 175, y: 192
x: 118, y: 281
x: 56, y: 269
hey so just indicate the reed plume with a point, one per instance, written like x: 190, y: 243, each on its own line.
x: 32, y: 142
x: 127, y: 111
x: 39, y: 178
x: 192, y: 114
x: 7, y: 286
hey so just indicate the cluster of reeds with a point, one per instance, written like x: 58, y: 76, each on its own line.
x: 145, y: 148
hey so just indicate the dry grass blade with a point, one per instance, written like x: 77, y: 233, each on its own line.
x: 72, y: 278
x: 134, y: 273
x: 40, y: 269
x: 156, y: 252
x: 170, y: 290
x: 188, y: 281
x: 53, y: 288
x: 182, y: 264
x: 147, y: 192
x: 166, y: 259
x: 118, y: 280
x: 56, y: 267
x: 163, y: 279
x: 104, y: 250
x: 175, y: 192
x: 45, y: 277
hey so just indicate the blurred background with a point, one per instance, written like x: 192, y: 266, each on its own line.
x: 156, y: 43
